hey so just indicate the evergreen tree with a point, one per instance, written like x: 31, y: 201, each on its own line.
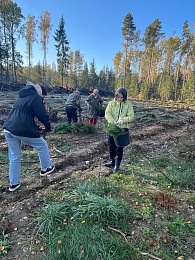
x: 85, y: 77
x: 62, y: 48
x: 10, y: 19
x: 151, y: 38
x: 78, y: 66
x: 110, y: 79
x: 102, y: 79
x: 93, y: 78
x: 128, y: 32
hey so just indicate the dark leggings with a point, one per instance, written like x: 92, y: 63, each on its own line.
x: 114, y: 150
x: 71, y: 113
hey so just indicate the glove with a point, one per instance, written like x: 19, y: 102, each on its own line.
x: 120, y: 121
x: 40, y: 127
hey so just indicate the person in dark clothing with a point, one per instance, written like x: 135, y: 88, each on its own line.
x: 20, y: 126
x: 73, y: 104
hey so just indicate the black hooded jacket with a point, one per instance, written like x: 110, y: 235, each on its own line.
x: 20, y: 120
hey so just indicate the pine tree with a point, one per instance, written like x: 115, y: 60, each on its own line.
x: 62, y: 48
x: 128, y: 32
x: 93, y: 78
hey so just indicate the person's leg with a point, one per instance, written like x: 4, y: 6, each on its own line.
x: 119, y: 154
x: 68, y: 115
x: 91, y: 121
x: 94, y: 121
x: 74, y: 115
x: 112, y: 147
x: 112, y: 150
x: 14, y: 153
x: 42, y: 148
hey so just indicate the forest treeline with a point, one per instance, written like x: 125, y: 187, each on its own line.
x: 149, y: 67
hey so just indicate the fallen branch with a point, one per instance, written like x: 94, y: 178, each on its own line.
x: 124, y: 236
x: 58, y: 151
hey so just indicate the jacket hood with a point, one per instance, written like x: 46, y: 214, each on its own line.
x: 27, y: 91
x: 122, y: 91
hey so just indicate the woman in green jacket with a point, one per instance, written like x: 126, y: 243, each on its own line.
x: 119, y: 111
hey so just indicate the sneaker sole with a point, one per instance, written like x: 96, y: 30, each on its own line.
x: 45, y: 174
x: 17, y: 187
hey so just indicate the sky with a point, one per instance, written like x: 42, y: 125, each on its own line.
x: 95, y: 27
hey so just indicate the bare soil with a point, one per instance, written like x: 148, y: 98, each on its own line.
x: 86, y: 158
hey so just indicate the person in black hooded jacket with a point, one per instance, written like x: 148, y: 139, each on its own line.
x: 20, y: 126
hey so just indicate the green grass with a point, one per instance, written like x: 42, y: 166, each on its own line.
x: 81, y: 222
x: 77, y: 227
x: 5, y: 244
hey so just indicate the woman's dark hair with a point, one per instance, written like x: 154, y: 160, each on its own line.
x: 121, y: 91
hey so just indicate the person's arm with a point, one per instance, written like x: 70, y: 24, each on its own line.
x: 88, y: 101
x: 100, y: 101
x: 130, y: 114
x: 78, y: 102
x: 41, y: 113
x: 109, y: 113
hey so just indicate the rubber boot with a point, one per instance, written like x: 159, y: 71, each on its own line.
x: 117, y: 165
x: 110, y: 164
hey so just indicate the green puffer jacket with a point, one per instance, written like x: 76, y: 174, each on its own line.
x: 116, y: 110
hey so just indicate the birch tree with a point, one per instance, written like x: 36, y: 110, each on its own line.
x: 45, y: 27
x: 31, y: 37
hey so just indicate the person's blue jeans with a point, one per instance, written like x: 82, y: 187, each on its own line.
x: 71, y: 113
x: 14, y: 153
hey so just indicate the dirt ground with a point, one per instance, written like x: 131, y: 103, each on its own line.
x: 86, y: 158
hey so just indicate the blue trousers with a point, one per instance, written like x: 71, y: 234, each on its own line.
x: 14, y: 153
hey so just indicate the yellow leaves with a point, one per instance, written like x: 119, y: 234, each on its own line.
x: 1, y: 248
x: 41, y: 248
x: 83, y: 222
